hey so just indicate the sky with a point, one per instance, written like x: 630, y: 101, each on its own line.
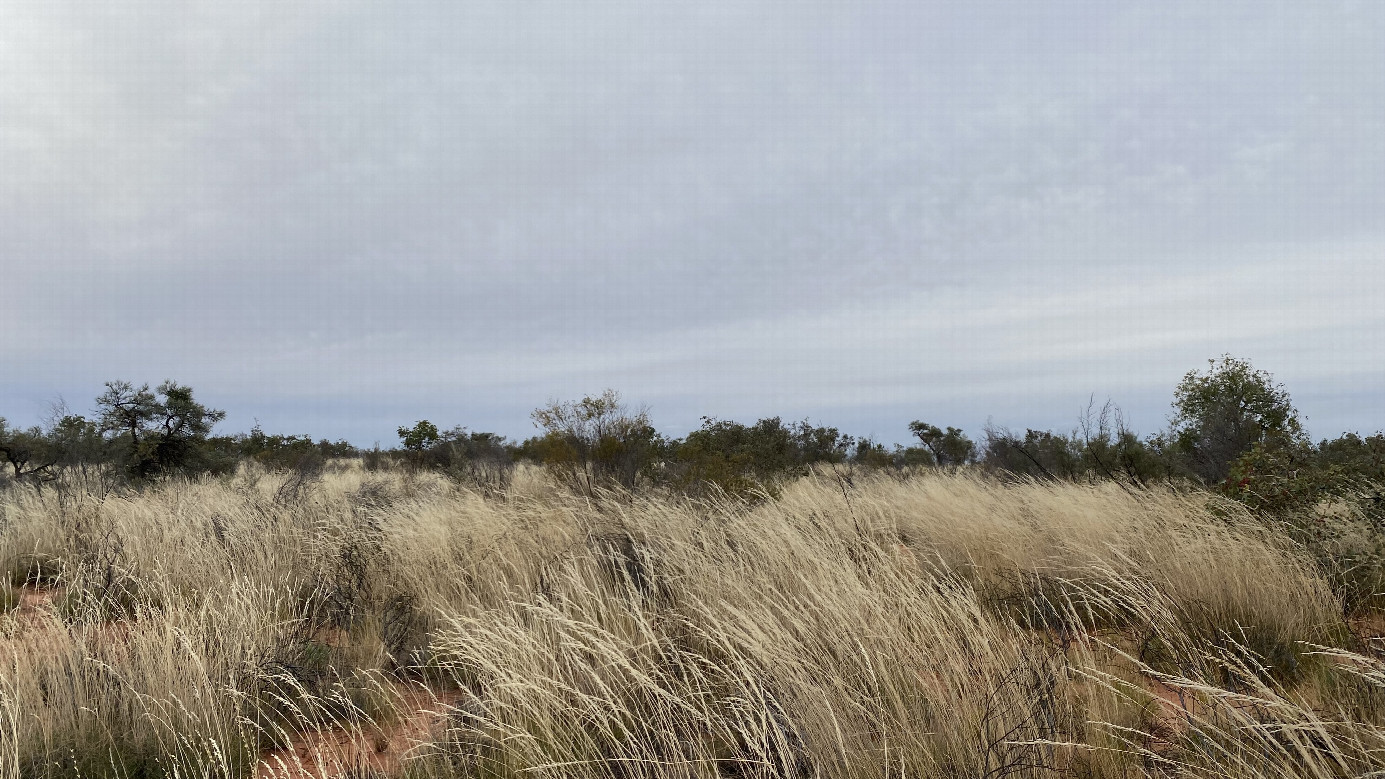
x: 334, y: 218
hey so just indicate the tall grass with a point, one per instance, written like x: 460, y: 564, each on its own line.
x: 366, y: 623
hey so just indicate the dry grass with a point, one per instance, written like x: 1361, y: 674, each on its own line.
x: 372, y: 624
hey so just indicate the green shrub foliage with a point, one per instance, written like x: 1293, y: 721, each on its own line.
x: 160, y: 432
x: 741, y: 459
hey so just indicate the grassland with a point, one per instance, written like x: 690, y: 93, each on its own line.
x: 394, y: 624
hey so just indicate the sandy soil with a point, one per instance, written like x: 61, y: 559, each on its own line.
x: 373, y: 750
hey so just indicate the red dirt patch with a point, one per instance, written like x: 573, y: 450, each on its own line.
x: 34, y: 599
x: 34, y: 606
x: 1173, y: 711
x: 1369, y: 626
x: 33, y: 619
x: 371, y: 750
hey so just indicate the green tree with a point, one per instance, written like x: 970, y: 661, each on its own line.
x: 420, y: 437
x: 78, y: 441
x: 946, y: 447
x: 160, y: 432
x: 1222, y: 414
x: 30, y: 454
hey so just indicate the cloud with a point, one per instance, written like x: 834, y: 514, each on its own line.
x: 752, y: 206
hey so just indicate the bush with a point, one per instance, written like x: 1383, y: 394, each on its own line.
x: 484, y: 461
x: 1101, y: 448
x: 376, y: 459
x: 1040, y: 454
x: 874, y: 455
x: 741, y: 459
x: 596, y: 442
x: 1331, y: 498
x: 279, y: 452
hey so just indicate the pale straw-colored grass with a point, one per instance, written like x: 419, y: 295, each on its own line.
x: 939, y: 625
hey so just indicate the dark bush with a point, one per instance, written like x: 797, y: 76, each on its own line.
x: 484, y: 461
x: 30, y: 455
x: 1100, y: 448
x: 740, y: 459
x: 281, y: 452
x: 377, y: 459
x: 870, y: 454
x: 1221, y: 414
x: 158, y: 433
x: 950, y: 447
x: 1039, y: 454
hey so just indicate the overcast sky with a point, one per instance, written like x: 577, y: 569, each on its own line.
x: 338, y: 217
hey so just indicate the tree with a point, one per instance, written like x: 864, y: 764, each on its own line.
x: 125, y: 410
x: 78, y: 441
x: 29, y: 453
x: 1222, y: 414
x: 162, y: 432
x: 419, y: 437
x: 950, y: 447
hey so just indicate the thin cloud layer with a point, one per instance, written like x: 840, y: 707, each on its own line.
x: 343, y: 216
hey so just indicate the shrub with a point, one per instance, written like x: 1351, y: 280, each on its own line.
x: 376, y: 459
x: 1101, y: 448
x: 1354, y: 454
x: 418, y: 438
x: 596, y: 442
x: 484, y: 461
x: 871, y: 454
x: 1040, y: 454
x: 1332, y: 499
x: 279, y: 452
x: 741, y: 459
